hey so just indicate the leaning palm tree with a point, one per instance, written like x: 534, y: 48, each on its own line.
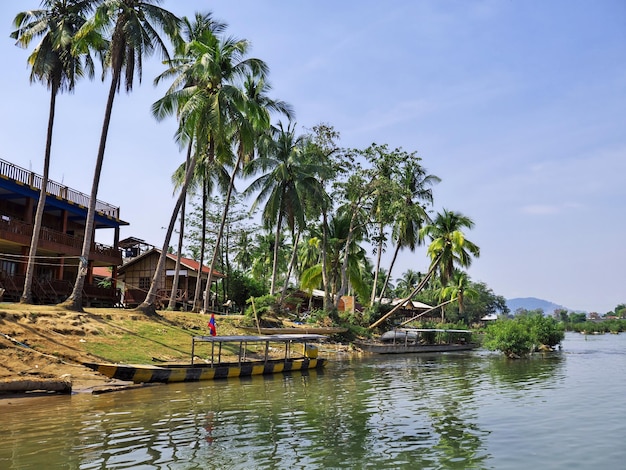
x: 55, y: 63
x: 134, y: 27
x: 448, y: 248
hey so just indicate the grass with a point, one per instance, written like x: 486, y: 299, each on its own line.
x: 114, y: 335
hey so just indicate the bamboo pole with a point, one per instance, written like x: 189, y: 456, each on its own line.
x: 426, y: 311
x: 418, y: 288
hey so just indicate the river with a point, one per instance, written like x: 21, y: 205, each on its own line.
x: 473, y: 410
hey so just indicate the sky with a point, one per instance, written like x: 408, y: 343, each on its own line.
x: 518, y: 106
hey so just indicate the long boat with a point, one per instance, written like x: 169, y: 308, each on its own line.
x: 297, y: 330
x: 214, y: 368
x: 419, y: 340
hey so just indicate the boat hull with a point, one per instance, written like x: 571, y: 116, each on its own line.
x: 297, y: 330
x: 380, y: 348
x: 196, y: 372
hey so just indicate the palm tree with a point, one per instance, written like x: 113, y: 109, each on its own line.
x: 411, y: 214
x: 55, y: 63
x: 448, y: 243
x: 405, y: 283
x: 448, y: 248
x: 209, y: 99
x: 458, y: 289
x: 181, y: 67
x: 135, y: 25
x: 291, y: 179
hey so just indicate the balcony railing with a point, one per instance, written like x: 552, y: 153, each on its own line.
x: 53, y: 188
x: 21, y: 232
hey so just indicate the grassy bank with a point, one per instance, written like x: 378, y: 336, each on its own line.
x: 46, y: 341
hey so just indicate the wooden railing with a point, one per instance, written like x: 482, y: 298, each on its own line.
x: 21, y: 232
x: 34, y: 180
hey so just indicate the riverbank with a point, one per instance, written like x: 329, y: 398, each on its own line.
x: 45, y: 344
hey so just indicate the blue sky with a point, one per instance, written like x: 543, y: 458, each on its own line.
x: 518, y: 106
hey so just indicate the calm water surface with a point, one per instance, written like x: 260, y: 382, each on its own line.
x: 460, y: 411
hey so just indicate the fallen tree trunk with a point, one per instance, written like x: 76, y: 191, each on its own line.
x: 34, y: 384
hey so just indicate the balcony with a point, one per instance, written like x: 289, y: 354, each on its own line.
x: 19, y: 232
x: 33, y: 180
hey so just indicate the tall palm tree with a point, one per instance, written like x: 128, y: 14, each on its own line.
x: 411, y: 214
x: 134, y: 26
x: 208, y: 95
x: 55, y: 63
x: 449, y: 244
x: 291, y: 178
x: 181, y: 67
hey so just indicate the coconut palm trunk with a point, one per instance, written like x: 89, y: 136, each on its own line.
x: 75, y: 300
x: 344, y: 266
x: 181, y: 236
x: 377, y: 268
x: 413, y: 293
x: 220, y: 232
x: 325, y: 283
x: 148, y: 305
x: 393, y: 262
x: 27, y: 295
x: 292, y: 263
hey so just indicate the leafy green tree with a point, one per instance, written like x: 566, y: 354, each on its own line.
x: 508, y: 336
x: 577, y: 317
x: 242, y: 286
x: 135, y: 27
x: 485, y: 302
x: 561, y: 314
x: 56, y: 63
x: 324, y: 138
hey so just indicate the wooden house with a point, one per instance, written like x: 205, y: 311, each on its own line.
x: 137, y: 274
x: 60, y: 240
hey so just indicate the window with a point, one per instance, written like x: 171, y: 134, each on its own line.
x: 8, y: 268
x: 144, y: 283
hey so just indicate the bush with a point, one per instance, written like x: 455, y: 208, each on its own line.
x: 263, y: 305
x: 508, y: 336
x: 523, y: 335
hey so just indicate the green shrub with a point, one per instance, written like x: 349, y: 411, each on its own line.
x: 523, y: 335
x: 509, y: 336
x: 263, y: 305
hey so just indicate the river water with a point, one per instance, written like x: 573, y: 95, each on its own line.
x: 562, y: 410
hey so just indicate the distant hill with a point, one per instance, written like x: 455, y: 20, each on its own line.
x: 532, y: 303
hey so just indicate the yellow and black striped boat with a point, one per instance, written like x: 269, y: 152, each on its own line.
x: 214, y: 368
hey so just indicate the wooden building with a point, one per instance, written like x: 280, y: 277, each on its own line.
x: 137, y: 274
x: 60, y: 240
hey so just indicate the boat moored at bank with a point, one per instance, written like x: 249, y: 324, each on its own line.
x: 419, y: 340
x: 299, y: 352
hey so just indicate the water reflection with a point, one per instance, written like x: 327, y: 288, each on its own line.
x: 439, y: 411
